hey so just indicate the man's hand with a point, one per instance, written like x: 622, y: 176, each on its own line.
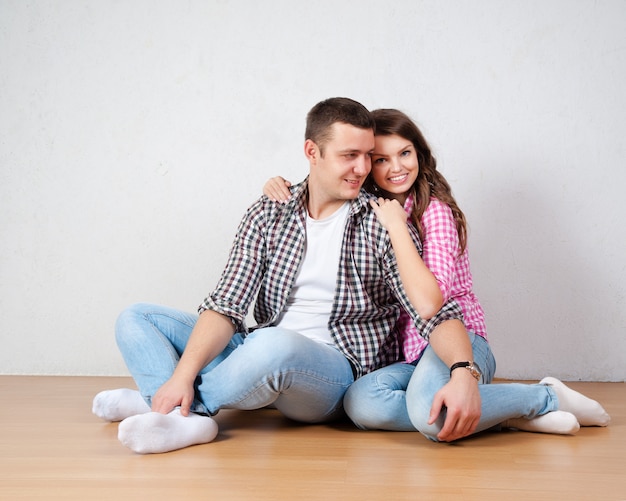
x: 172, y: 394
x: 461, y: 398
x: 209, y: 337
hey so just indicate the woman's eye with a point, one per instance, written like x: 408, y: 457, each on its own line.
x: 379, y: 160
x: 406, y: 153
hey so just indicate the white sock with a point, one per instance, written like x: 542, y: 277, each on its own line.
x: 153, y: 432
x: 115, y: 405
x: 557, y: 422
x: 587, y: 411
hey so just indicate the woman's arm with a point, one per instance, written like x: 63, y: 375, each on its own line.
x: 460, y: 396
x: 419, y: 283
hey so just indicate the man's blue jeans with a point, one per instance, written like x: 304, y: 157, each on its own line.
x: 399, y: 397
x: 302, y: 378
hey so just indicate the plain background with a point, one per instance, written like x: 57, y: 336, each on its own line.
x: 133, y: 135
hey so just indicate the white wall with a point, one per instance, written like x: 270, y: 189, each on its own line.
x: 134, y: 134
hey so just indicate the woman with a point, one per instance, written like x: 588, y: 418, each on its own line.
x: 437, y: 390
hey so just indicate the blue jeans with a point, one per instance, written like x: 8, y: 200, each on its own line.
x: 399, y: 397
x: 302, y: 378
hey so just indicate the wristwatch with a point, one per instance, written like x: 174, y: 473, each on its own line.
x: 470, y: 366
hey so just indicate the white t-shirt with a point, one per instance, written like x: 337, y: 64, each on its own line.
x: 311, y: 300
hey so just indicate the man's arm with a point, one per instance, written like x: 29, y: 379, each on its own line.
x: 208, y: 339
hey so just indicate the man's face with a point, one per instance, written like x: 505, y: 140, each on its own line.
x: 339, y: 173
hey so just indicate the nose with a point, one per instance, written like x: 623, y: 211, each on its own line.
x: 363, y: 165
x: 395, y: 165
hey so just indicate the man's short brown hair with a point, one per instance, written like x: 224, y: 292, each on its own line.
x: 324, y: 114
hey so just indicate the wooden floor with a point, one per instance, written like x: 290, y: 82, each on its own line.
x: 52, y: 447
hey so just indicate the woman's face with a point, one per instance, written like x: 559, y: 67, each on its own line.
x: 394, y: 165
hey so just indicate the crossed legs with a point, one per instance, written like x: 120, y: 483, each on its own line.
x: 399, y: 397
x: 304, y: 379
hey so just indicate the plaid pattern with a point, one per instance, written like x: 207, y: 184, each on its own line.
x: 441, y: 255
x: 369, y: 296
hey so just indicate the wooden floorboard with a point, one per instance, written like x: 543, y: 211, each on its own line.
x: 53, y: 447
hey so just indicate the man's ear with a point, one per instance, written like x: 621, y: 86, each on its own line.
x: 311, y: 151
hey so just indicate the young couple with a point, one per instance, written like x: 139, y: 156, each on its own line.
x: 342, y: 295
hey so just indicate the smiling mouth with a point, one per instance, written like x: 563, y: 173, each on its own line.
x: 398, y: 179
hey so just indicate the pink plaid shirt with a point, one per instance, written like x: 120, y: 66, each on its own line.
x: 441, y: 255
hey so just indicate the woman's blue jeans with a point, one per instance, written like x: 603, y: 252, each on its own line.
x: 302, y: 378
x: 399, y: 397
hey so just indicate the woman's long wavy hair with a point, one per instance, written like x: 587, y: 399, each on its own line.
x: 429, y: 182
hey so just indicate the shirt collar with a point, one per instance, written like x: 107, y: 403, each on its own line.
x: 297, y: 202
x: 408, y: 204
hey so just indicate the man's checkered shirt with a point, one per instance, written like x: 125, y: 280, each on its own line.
x: 369, y: 296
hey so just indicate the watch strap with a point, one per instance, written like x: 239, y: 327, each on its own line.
x: 473, y: 369
x: 459, y: 364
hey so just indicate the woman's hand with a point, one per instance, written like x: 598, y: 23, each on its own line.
x: 461, y: 398
x: 390, y: 213
x: 277, y: 189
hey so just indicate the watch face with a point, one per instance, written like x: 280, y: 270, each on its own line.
x: 474, y: 371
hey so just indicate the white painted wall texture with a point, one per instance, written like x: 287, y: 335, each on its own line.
x: 134, y: 134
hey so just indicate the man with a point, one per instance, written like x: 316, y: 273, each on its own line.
x: 329, y: 295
